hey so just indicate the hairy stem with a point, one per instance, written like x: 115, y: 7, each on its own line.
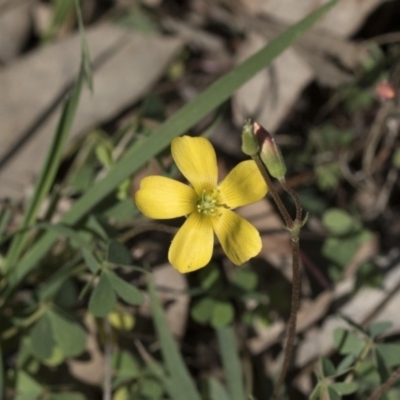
x: 294, y: 226
x: 273, y: 192
x: 291, y: 334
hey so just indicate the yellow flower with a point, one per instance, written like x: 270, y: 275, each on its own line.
x: 206, y: 205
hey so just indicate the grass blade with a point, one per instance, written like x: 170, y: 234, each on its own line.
x: 180, y: 122
x: 175, y: 365
x: 52, y: 162
x: 231, y: 362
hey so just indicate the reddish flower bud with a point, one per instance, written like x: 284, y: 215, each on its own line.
x: 385, y: 90
x: 270, y: 153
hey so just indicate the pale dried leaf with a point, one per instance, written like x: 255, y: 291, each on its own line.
x: 343, y: 20
x: 272, y: 92
x: 126, y: 63
x: 15, y: 25
x: 359, y: 308
x: 171, y: 288
x: 91, y: 370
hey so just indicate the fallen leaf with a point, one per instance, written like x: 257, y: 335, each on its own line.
x: 270, y: 95
x: 343, y: 20
x: 126, y: 64
x: 15, y: 26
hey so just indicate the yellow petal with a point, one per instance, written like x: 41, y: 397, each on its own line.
x: 243, y: 185
x: 161, y: 198
x: 196, y: 159
x: 192, y: 246
x: 239, y: 239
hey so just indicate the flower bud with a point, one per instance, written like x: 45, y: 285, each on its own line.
x: 249, y: 141
x: 270, y: 153
x: 385, y: 91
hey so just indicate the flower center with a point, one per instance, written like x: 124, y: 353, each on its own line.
x: 208, y: 203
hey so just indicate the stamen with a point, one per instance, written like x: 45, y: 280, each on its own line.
x: 208, y: 202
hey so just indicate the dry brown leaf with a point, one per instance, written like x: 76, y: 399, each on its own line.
x: 89, y: 371
x: 15, y: 26
x: 359, y: 308
x: 343, y: 20
x: 270, y: 95
x: 127, y: 65
x: 172, y: 287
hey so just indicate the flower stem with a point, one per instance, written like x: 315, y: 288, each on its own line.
x: 294, y: 227
x: 295, y: 198
x: 291, y: 334
x: 274, y: 193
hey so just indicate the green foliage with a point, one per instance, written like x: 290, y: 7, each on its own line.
x: 346, y: 236
x: 127, y: 292
x: 366, y: 365
x: 91, y: 268
x: 339, y: 222
x: 103, y: 299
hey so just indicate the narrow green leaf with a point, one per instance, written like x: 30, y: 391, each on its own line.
x: 69, y: 336
x: 118, y: 253
x: 328, y: 369
x: 170, y: 386
x: 216, y: 391
x: 126, y: 291
x: 78, y: 240
x: 26, y: 385
x: 5, y: 216
x: 42, y: 338
x: 91, y: 260
x: 347, y: 342
x: 231, y: 362
x: 344, y: 388
x: 209, y: 276
x: 377, y: 328
x: 345, y: 365
x: 390, y: 353
x: 332, y: 394
x: 85, y: 55
x: 316, y: 393
x: 125, y: 365
x: 175, y: 365
x: 61, y: 10
x: 180, y: 122
x: 53, y: 284
x: 151, y: 389
x: 103, y: 298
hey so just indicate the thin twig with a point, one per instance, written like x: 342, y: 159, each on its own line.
x: 386, y: 386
